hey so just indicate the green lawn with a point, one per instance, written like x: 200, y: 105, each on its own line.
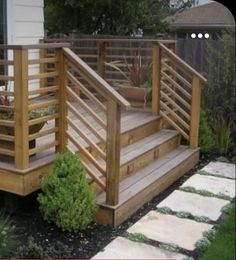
x: 223, y: 245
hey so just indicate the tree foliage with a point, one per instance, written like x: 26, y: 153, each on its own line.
x: 105, y: 16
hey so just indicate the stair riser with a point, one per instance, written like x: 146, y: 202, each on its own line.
x: 117, y: 216
x: 139, y: 133
x: 144, y: 159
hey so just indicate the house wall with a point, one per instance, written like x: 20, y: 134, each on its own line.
x: 25, y: 21
x: 25, y: 25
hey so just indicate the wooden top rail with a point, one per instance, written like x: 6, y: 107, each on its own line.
x: 35, y: 46
x: 182, y: 63
x: 108, y: 40
x: 100, y: 82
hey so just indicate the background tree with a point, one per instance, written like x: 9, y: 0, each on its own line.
x: 105, y: 16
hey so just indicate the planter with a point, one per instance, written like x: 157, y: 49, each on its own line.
x: 6, y: 130
x: 140, y: 96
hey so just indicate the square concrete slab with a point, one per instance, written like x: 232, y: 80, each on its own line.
x: 212, y: 184
x: 170, y: 229
x: 221, y: 169
x: 122, y: 248
x: 195, y: 204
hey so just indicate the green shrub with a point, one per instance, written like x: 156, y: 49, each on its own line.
x: 218, y: 96
x: 7, y: 236
x: 206, y: 137
x: 31, y: 250
x: 66, y: 198
x: 222, y: 130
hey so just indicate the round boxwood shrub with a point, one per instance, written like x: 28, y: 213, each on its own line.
x: 67, y: 199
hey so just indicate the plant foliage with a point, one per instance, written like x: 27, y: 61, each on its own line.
x: 66, y: 198
x: 206, y: 136
x: 219, y: 94
x: 31, y: 250
x: 7, y: 236
x: 120, y: 17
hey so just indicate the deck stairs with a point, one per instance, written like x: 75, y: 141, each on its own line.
x: 151, y: 159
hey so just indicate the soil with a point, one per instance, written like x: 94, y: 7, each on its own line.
x: 84, y: 244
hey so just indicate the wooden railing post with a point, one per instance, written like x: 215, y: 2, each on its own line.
x: 61, y: 122
x: 101, y: 59
x: 156, y: 78
x: 113, y: 152
x: 195, y: 112
x: 21, y: 108
x: 173, y: 47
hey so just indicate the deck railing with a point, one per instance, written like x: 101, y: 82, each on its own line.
x: 176, y: 92
x: 97, y: 53
x: 35, y: 78
x: 29, y: 94
x: 81, y: 82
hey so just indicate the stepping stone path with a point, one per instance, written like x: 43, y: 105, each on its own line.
x: 170, y: 229
x: 212, y: 184
x: 122, y: 248
x: 221, y: 169
x: 197, y: 205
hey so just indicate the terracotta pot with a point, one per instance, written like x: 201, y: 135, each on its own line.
x: 135, y: 93
x: 7, y: 130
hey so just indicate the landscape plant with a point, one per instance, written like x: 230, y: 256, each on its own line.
x: 67, y: 199
x: 7, y: 236
x: 218, y: 99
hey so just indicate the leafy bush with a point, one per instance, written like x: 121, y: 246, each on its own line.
x: 222, y: 130
x: 31, y: 250
x: 7, y: 236
x: 67, y: 199
x: 206, y: 137
x: 218, y: 97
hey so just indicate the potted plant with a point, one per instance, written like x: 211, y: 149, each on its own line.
x: 8, y: 115
x: 138, y: 86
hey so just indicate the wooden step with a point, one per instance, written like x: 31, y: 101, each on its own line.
x: 138, y: 126
x: 144, y: 151
x: 146, y: 184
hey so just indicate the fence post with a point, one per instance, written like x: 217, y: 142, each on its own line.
x: 101, y: 59
x: 61, y: 122
x: 195, y: 112
x: 113, y: 152
x: 156, y: 78
x: 21, y: 108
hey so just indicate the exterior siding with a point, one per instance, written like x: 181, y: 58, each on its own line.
x: 25, y: 21
x: 25, y: 25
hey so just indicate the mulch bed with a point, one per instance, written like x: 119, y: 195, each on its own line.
x: 88, y: 242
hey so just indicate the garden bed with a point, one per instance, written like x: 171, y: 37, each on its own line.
x: 84, y: 244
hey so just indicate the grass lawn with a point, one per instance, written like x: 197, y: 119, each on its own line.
x: 223, y: 245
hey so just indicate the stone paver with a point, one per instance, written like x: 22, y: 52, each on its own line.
x: 212, y: 184
x: 122, y: 248
x: 195, y: 204
x: 170, y: 229
x: 221, y: 169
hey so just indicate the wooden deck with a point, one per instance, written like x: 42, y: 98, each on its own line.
x: 130, y: 131
x: 130, y: 155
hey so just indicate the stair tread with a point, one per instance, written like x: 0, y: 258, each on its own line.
x: 146, y: 144
x: 137, y: 119
x: 140, y: 147
x: 144, y: 177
